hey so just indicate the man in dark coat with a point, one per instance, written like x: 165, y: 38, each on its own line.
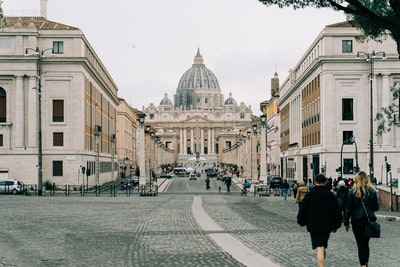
x: 321, y: 213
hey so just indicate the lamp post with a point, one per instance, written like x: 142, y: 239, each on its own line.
x: 263, y: 155
x: 113, y: 137
x: 371, y: 58
x: 147, y: 153
x: 251, y: 151
x: 39, y: 54
x: 152, y: 157
x: 141, y: 151
x: 253, y: 143
x: 97, y: 133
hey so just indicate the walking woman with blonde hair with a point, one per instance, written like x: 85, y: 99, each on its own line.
x: 362, y: 194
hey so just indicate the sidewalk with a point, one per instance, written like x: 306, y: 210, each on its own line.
x: 388, y: 215
x: 382, y: 213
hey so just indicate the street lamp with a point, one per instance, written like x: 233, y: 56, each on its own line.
x: 39, y: 54
x: 253, y: 143
x: 371, y: 57
x: 113, y: 138
x: 141, y: 172
x: 263, y: 155
x: 147, y: 153
x: 97, y: 133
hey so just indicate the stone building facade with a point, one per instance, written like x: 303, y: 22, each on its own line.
x: 200, y: 123
x: 53, y: 66
x: 326, y: 101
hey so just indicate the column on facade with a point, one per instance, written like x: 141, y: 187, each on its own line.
x: 212, y: 141
x: 209, y: 141
x: 19, y: 112
x: 33, y: 113
x: 181, y: 141
x: 385, y: 102
x: 202, y: 141
x: 184, y: 141
x: 192, y: 140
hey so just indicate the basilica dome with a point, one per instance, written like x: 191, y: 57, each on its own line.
x: 230, y: 100
x: 166, y: 100
x: 198, y: 76
x: 198, y: 88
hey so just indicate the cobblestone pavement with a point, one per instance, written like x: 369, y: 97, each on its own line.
x: 162, y: 231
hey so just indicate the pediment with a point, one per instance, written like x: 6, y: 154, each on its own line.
x: 196, y: 119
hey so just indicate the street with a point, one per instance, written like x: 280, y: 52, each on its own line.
x: 185, y: 226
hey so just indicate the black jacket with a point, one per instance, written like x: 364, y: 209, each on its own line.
x: 355, y: 210
x: 341, y: 196
x: 320, y: 211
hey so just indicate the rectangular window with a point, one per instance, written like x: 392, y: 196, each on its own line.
x: 347, y: 135
x: 3, y: 105
x: 58, y: 110
x: 57, y: 168
x: 58, y: 47
x: 58, y: 139
x: 347, y: 46
x: 347, y: 109
x: 1, y: 140
x: 242, y: 115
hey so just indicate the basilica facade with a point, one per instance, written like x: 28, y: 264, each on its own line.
x: 200, y: 123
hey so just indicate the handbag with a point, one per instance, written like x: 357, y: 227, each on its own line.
x: 372, y: 229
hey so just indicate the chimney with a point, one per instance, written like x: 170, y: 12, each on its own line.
x: 43, y: 8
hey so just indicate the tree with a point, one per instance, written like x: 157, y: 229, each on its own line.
x: 387, y: 116
x: 376, y: 18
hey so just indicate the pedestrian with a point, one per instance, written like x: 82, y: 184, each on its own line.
x: 285, y: 189
x: 295, y: 186
x: 208, y: 183
x: 362, y: 194
x: 320, y: 212
x: 341, y: 196
x: 228, y: 182
x: 301, y: 193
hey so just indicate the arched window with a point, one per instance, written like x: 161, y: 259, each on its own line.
x: 3, y: 105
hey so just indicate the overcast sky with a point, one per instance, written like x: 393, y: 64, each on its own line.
x: 147, y: 45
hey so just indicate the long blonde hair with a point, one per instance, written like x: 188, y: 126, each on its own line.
x: 361, y: 184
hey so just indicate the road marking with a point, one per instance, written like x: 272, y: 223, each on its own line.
x: 226, y: 241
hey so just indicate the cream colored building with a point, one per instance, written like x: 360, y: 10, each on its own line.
x: 78, y: 104
x: 325, y: 101
x: 200, y: 123
x: 270, y: 109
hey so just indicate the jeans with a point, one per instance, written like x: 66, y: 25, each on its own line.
x: 362, y: 242
x: 285, y: 193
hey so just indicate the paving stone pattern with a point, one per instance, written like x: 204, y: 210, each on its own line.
x: 162, y: 231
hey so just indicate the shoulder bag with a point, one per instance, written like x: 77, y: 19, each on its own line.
x: 372, y: 229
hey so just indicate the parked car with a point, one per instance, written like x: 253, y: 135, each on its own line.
x: 181, y: 172
x: 276, y: 182
x: 192, y: 176
x: 166, y: 175
x: 211, y: 173
x: 11, y: 187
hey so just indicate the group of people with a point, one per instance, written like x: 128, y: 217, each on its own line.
x: 323, y: 212
x: 227, y: 182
